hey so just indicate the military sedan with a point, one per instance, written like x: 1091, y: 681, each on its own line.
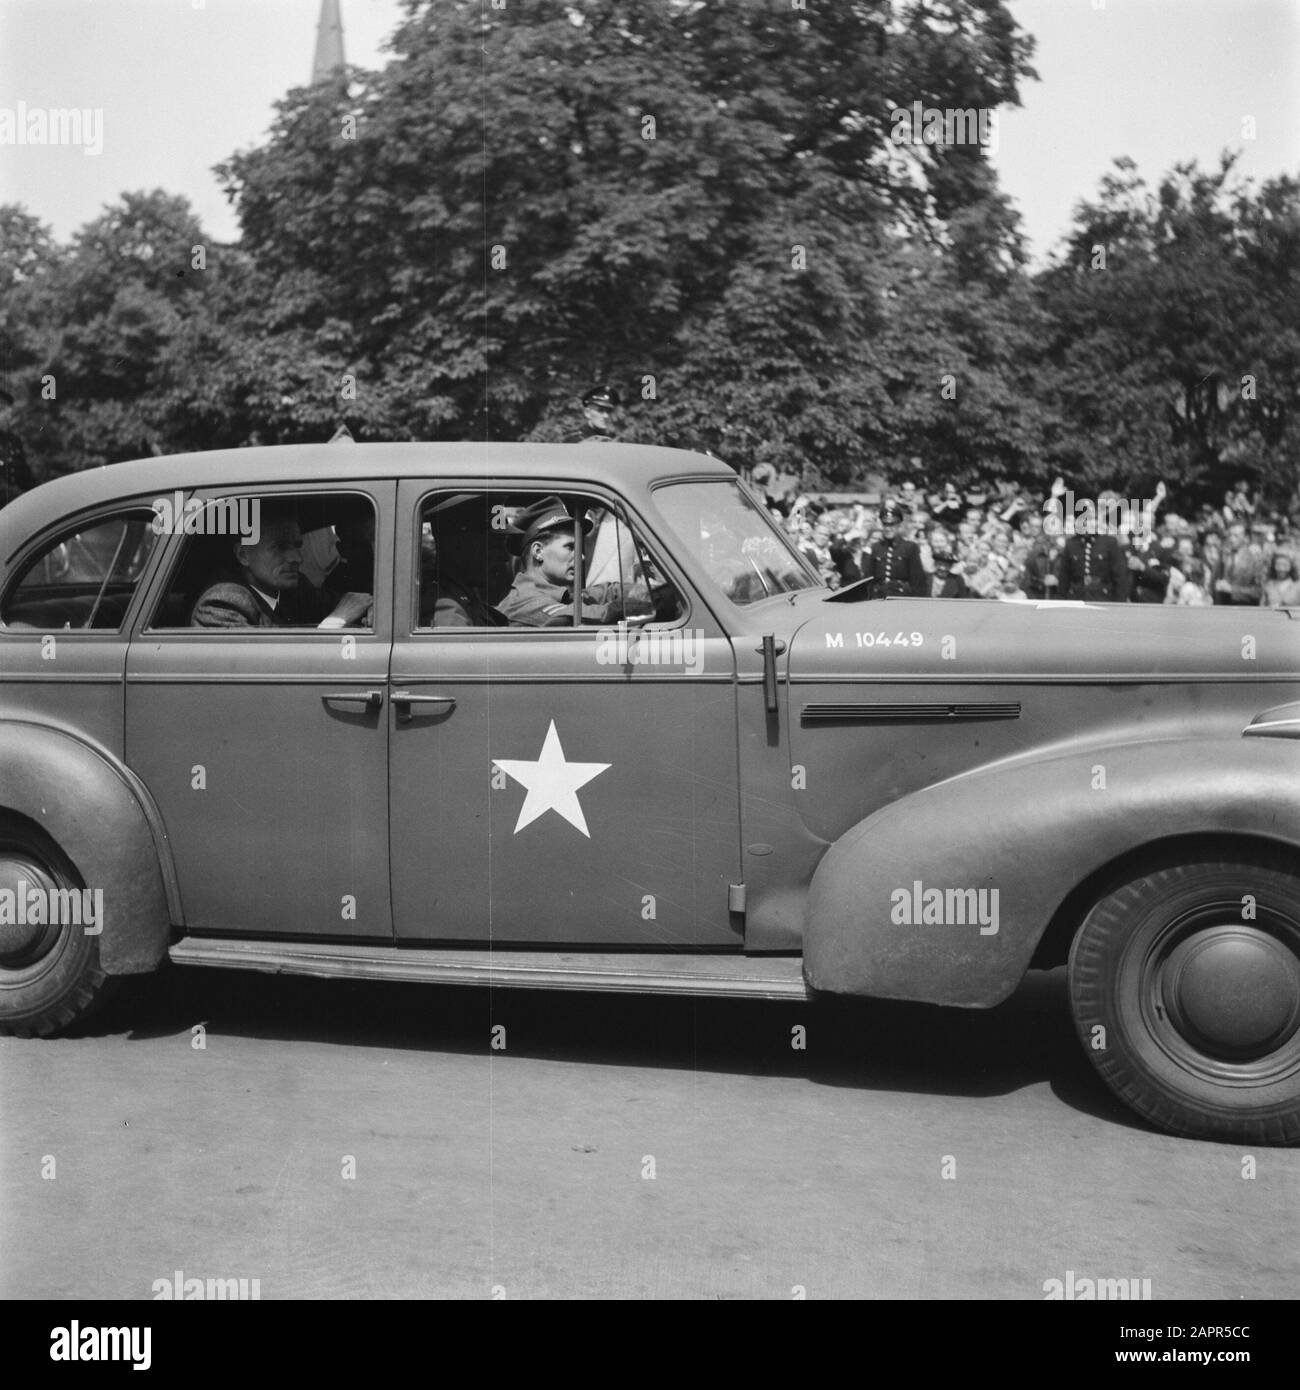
x: 581, y: 717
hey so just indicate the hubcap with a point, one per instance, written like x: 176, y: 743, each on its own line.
x: 24, y: 884
x: 1232, y: 991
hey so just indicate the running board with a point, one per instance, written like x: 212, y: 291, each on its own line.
x: 730, y: 976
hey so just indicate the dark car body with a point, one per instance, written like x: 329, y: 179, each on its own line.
x: 753, y: 797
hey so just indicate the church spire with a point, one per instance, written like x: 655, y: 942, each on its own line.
x: 329, y: 42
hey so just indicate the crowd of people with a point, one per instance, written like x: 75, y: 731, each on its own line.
x: 1006, y: 542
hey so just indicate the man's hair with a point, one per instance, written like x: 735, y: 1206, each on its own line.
x: 273, y: 516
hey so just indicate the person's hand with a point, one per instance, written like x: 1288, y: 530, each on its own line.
x: 1160, y: 491
x: 1058, y: 487
x: 352, y: 610
x: 1050, y: 581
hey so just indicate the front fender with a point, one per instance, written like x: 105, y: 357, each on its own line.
x: 1028, y: 830
x: 102, y: 819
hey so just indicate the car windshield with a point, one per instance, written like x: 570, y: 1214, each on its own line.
x: 740, y: 546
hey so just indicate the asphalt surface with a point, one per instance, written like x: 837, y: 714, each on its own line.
x: 617, y: 1147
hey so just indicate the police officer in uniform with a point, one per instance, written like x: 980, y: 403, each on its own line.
x: 1092, y: 567
x: 542, y: 538
x: 893, y: 565
x: 598, y: 407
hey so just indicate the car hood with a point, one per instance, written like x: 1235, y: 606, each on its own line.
x: 963, y: 638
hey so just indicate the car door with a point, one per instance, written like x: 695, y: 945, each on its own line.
x: 63, y: 622
x: 566, y: 785
x: 265, y: 749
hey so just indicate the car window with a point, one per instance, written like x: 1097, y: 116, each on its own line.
x: 86, y: 578
x: 496, y: 559
x: 741, y: 548
x: 278, y: 561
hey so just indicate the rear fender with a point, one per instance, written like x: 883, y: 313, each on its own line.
x: 103, y: 819
x: 1023, y: 834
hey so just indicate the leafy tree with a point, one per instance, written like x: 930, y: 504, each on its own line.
x: 531, y: 199
x: 94, y: 326
x: 1176, y: 332
x: 29, y: 260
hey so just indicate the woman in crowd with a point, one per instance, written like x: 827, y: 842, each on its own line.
x: 1282, y: 583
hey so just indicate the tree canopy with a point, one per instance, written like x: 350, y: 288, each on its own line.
x: 707, y: 206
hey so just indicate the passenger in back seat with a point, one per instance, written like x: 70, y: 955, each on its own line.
x: 264, y: 574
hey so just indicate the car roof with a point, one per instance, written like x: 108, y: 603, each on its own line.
x: 628, y: 468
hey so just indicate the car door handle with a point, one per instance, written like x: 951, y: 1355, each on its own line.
x: 403, y: 700
x: 372, y: 699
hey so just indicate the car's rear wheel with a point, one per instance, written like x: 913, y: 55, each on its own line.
x: 1185, y: 989
x: 50, y: 975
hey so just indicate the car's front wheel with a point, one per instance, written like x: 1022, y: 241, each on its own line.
x: 1185, y: 989
x: 50, y: 975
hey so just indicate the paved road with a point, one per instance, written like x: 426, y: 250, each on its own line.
x: 528, y: 1169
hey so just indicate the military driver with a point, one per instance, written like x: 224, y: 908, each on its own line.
x: 542, y: 539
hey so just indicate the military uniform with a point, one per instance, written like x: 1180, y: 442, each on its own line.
x: 457, y: 605
x: 597, y: 406
x: 1092, y: 567
x: 536, y: 602
x: 894, y: 567
x: 532, y: 602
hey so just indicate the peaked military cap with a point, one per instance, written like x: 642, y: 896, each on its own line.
x: 601, y: 397
x: 550, y: 514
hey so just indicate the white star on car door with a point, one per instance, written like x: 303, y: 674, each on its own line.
x: 552, y: 783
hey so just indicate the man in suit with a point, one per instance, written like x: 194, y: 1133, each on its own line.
x: 843, y: 548
x: 1038, y: 575
x: 944, y: 583
x: 1150, y: 563
x: 257, y: 590
x: 893, y: 564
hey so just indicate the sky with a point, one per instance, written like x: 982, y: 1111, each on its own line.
x: 183, y: 84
